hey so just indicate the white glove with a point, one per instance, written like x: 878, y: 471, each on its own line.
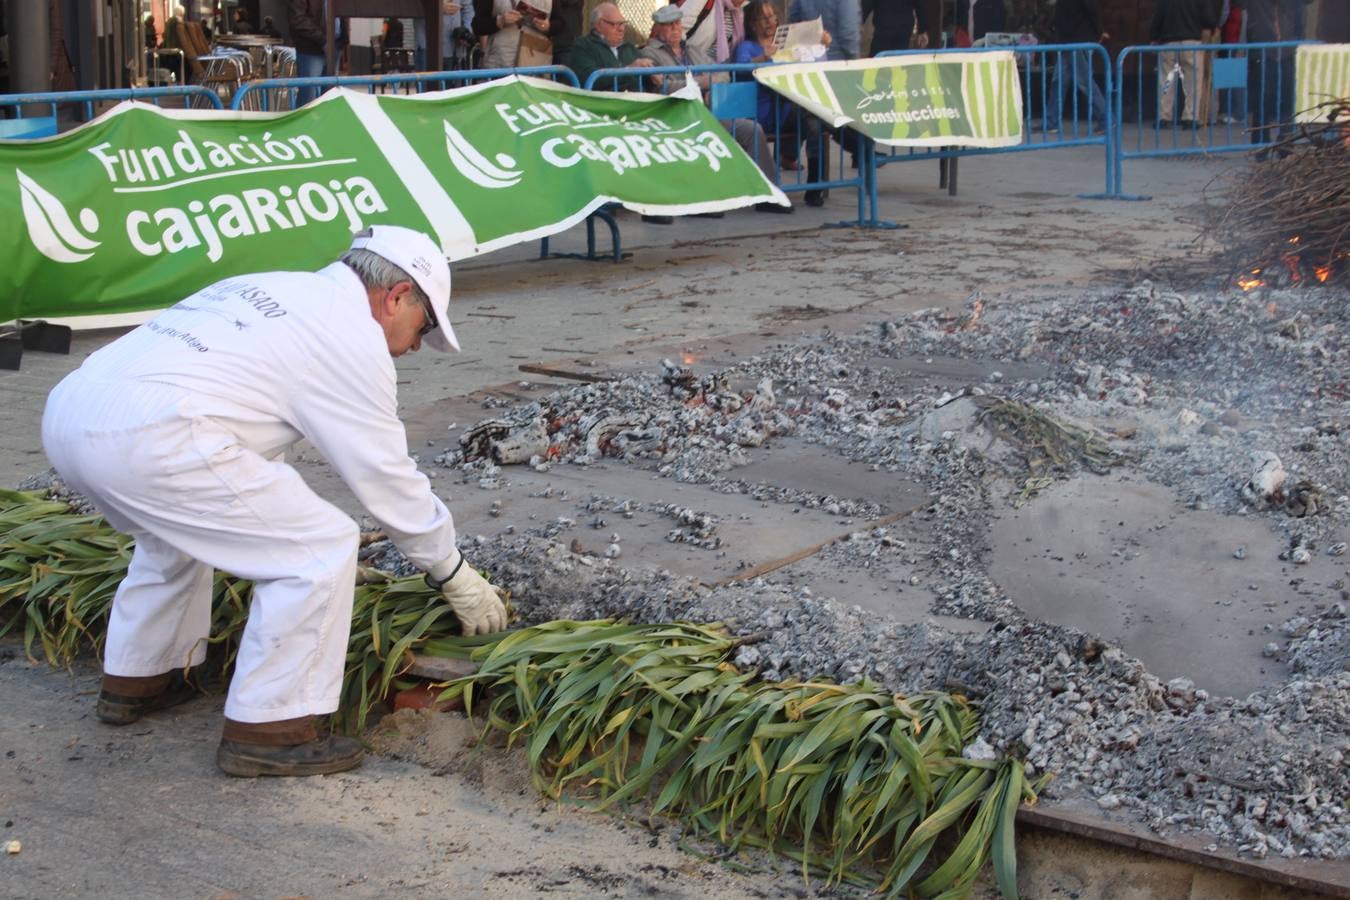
x: 477, y: 604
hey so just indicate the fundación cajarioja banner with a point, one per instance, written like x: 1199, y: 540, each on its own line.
x: 143, y: 206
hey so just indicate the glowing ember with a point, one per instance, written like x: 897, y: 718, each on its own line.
x: 688, y: 358
x: 1294, y: 240
x: 976, y: 309
x: 1322, y: 273
x: 1249, y: 282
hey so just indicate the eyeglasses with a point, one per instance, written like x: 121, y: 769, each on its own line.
x: 430, y: 316
x: 614, y: 24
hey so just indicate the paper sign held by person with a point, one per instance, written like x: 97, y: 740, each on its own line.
x: 800, y: 42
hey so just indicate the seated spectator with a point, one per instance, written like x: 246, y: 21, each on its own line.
x: 713, y: 27
x: 780, y: 117
x: 667, y: 48
x: 605, y: 48
x: 269, y: 28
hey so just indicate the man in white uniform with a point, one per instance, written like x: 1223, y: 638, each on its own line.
x: 175, y: 432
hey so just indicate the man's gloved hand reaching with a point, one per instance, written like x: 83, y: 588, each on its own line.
x: 477, y: 604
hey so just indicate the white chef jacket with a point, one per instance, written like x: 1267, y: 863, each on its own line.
x: 278, y: 356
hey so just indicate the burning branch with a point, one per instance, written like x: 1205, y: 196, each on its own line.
x: 1289, y: 217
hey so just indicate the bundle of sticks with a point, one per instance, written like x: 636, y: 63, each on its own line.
x: 1292, y: 210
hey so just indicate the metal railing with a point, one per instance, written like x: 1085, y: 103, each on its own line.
x: 1074, y: 111
x: 28, y: 123
x: 1198, y: 99
x: 261, y: 94
x: 791, y: 130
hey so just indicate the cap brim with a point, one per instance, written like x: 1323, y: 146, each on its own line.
x: 443, y: 338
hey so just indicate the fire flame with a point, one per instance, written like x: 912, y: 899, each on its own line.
x: 688, y: 358
x: 1322, y: 273
x: 1250, y: 282
x: 1295, y: 239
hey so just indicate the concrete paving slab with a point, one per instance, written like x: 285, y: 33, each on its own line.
x: 1120, y: 557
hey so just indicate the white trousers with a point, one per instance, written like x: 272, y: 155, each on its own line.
x: 196, y: 500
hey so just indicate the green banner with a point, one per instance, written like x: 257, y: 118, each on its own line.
x: 916, y: 100
x: 1322, y: 77
x: 142, y: 206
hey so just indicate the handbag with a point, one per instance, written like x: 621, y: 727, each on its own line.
x: 535, y: 49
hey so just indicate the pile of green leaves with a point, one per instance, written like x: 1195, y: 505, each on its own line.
x: 59, y: 571
x: 857, y: 783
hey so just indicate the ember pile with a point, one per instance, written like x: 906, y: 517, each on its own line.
x: 1287, y: 220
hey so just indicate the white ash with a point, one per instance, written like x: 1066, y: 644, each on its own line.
x: 693, y: 527
x: 51, y: 484
x: 1204, y: 382
x: 1319, y: 645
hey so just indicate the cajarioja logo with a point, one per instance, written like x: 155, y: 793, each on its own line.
x: 475, y: 166
x: 50, y: 227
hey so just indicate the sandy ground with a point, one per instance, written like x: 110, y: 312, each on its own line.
x: 142, y: 811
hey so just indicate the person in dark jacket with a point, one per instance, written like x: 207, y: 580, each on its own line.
x: 976, y: 18
x: 1076, y: 22
x: 893, y: 22
x: 564, y: 28
x: 1181, y: 23
x: 605, y: 48
x: 1270, y: 71
x: 309, y: 34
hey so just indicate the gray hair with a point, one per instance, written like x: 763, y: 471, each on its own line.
x: 596, y: 13
x: 378, y: 273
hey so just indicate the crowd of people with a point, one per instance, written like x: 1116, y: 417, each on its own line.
x: 502, y: 34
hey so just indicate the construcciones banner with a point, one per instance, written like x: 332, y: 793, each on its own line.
x: 1322, y: 76
x: 143, y: 206
x: 915, y: 100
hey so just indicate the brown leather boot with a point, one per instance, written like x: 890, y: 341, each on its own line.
x: 286, y: 747
x: 125, y: 699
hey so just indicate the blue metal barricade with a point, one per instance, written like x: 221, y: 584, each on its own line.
x: 26, y: 124
x: 745, y: 113
x: 1198, y: 98
x: 263, y: 95
x: 1060, y: 92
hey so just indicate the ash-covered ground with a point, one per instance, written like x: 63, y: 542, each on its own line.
x: 1238, y: 403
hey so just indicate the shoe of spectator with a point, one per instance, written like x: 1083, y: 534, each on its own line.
x: 1186, y: 123
x: 772, y: 208
x: 658, y: 220
x: 816, y: 198
x: 789, y: 165
x: 711, y: 215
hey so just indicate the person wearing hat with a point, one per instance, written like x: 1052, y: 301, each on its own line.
x: 667, y: 48
x: 176, y: 431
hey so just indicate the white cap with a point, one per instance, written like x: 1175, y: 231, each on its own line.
x: 416, y: 254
